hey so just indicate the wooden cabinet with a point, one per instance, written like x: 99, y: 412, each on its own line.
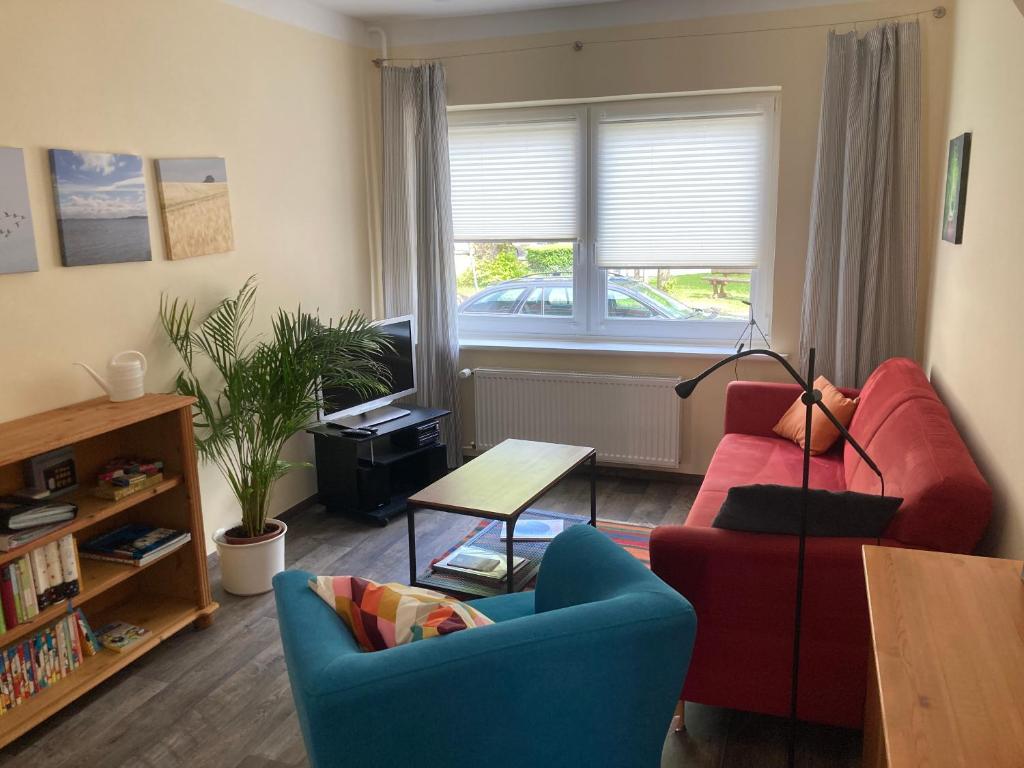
x: 946, y: 686
x: 164, y: 596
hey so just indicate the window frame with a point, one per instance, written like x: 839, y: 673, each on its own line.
x: 589, y: 321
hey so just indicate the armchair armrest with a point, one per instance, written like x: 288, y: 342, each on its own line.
x: 582, y: 565
x: 755, y: 407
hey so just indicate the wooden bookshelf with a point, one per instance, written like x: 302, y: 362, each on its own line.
x: 91, y: 510
x: 164, y: 596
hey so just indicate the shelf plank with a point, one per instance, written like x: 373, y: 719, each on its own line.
x: 92, y: 509
x: 97, y: 577
x: 161, y: 616
x: 29, y: 436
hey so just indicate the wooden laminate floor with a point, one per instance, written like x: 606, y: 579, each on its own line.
x: 219, y: 698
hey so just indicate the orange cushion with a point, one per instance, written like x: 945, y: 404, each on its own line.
x: 823, y: 431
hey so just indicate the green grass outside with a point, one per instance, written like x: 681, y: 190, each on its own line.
x: 696, y: 291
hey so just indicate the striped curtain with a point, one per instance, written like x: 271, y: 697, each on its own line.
x: 860, y: 289
x: 417, y: 249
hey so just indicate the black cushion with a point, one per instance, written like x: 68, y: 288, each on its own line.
x: 776, y: 509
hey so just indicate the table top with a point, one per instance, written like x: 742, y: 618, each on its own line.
x: 503, y: 481
x: 947, y: 632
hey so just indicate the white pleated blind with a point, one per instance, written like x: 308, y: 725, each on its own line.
x: 515, y: 181
x: 680, y: 192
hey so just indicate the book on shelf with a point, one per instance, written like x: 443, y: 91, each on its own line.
x: 13, y: 539
x: 478, y: 564
x: 20, y: 514
x: 533, y: 529
x: 134, y: 544
x: 119, y: 636
x: 44, y: 659
x: 126, y: 475
x: 43, y: 577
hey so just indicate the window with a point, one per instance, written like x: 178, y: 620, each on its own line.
x: 647, y: 219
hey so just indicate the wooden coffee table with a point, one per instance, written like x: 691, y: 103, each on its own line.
x: 500, y: 485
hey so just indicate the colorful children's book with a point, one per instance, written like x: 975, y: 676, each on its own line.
x: 120, y: 635
x: 44, y: 659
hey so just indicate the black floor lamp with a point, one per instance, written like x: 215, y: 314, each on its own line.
x: 811, y: 397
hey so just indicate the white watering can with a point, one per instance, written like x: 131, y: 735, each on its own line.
x: 125, y: 373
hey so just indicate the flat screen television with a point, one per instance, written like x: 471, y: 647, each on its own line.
x: 349, y: 408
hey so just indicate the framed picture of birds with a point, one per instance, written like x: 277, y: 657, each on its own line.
x: 17, y: 238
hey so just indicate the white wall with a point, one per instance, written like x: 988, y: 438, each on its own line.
x: 284, y: 106
x: 973, y: 336
x: 722, y: 53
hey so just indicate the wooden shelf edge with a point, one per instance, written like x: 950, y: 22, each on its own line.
x: 90, y: 587
x: 32, y: 435
x: 94, y: 670
x: 91, y: 510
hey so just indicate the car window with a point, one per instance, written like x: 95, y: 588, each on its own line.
x: 555, y: 301
x: 558, y: 301
x: 495, y: 303
x: 623, y: 305
x: 534, y: 304
x: 669, y: 306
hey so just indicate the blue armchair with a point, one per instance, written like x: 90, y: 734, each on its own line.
x: 585, y: 671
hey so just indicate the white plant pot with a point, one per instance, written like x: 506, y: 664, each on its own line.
x: 248, y: 569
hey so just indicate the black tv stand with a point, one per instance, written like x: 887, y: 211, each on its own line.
x: 370, y: 474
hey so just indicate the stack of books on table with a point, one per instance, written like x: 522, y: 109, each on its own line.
x: 45, y: 576
x: 135, y: 545
x: 479, y: 565
x: 45, y: 658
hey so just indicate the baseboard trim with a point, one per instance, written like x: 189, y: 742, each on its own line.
x: 299, y: 506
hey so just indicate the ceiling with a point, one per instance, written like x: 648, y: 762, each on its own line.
x: 421, y: 9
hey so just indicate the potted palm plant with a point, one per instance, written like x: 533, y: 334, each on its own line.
x: 252, y: 395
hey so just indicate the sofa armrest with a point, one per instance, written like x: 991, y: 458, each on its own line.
x: 755, y: 407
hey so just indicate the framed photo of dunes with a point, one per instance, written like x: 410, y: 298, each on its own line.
x: 195, y: 207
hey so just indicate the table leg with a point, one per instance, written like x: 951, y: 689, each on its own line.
x: 411, y: 515
x: 593, y: 490
x: 510, y: 528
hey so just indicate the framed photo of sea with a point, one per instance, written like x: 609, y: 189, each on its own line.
x: 100, y: 199
x: 195, y: 207
x: 17, y: 240
x: 956, y: 189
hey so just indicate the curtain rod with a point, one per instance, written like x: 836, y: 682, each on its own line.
x: 937, y: 12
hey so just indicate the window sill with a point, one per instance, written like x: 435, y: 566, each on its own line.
x: 603, y: 347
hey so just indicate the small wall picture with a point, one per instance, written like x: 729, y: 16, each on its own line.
x: 101, y: 207
x: 195, y: 207
x: 956, y: 188
x: 17, y: 239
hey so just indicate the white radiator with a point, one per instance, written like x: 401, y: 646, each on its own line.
x: 628, y: 419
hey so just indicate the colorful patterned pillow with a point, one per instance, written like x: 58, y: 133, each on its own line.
x: 385, y: 615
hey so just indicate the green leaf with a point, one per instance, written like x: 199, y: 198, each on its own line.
x: 253, y: 394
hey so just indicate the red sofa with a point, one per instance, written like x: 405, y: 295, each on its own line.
x: 742, y: 585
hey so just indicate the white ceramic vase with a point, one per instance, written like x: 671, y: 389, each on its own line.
x: 248, y: 569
